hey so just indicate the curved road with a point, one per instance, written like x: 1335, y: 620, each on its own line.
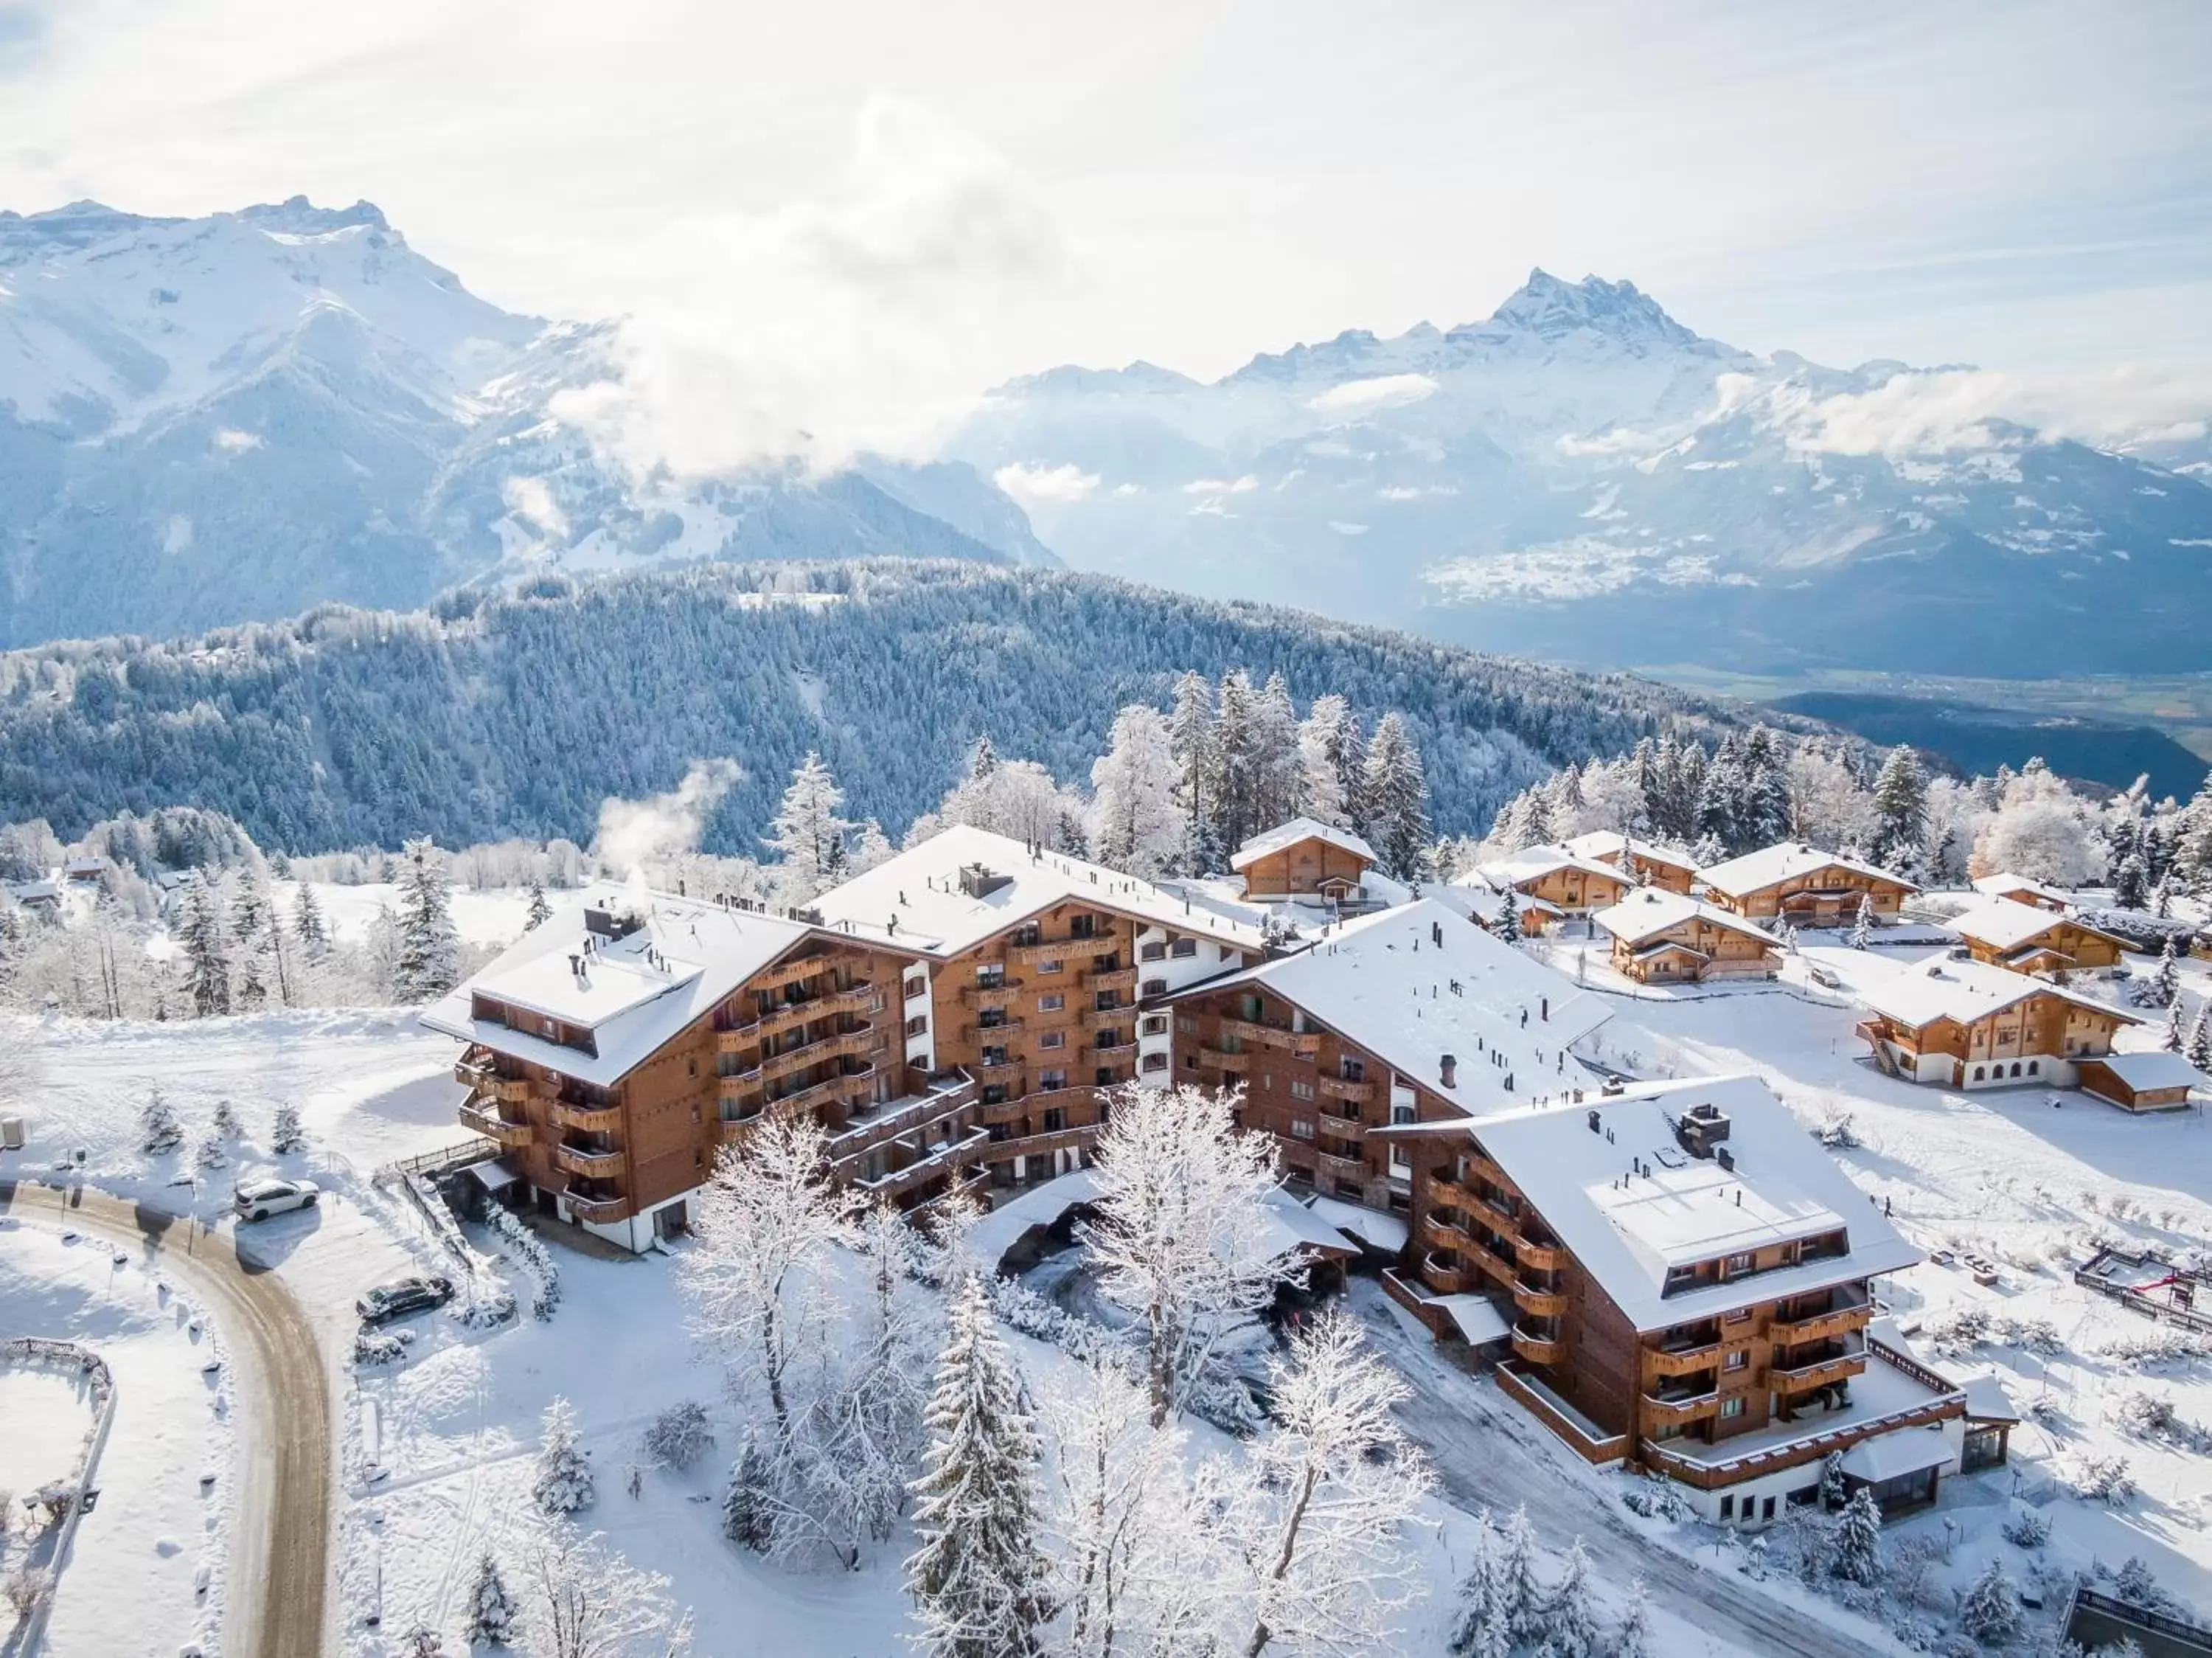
x: 280, y: 1533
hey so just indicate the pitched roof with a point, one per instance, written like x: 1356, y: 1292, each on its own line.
x: 635, y: 993
x: 1961, y: 992
x: 1771, y: 865
x: 1413, y: 984
x: 2004, y: 882
x: 918, y: 898
x: 2155, y: 1069
x: 1650, y: 909
x: 1290, y: 834
x: 1606, y: 844
x: 1535, y: 862
x: 1627, y: 1229
x: 2005, y: 923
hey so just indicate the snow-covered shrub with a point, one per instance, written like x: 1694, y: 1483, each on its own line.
x: 423, y: 1641
x: 2027, y: 1530
x: 2099, y: 1478
x: 2143, y: 1414
x: 530, y: 1249
x: 749, y: 1503
x: 2136, y: 1584
x: 679, y: 1435
x: 1655, y: 1497
x: 1956, y: 1329
x: 2154, y: 1346
x: 1836, y: 1133
x: 224, y: 1121
x: 372, y: 1347
x: 1916, y: 1634
x: 209, y: 1154
x: 492, y: 1610
x: 159, y: 1131
x: 28, y: 1589
x: 486, y: 1309
x: 285, y: 1133
x: 2036, y: 1335
x: 1990, y: 1612
x: 563, y: 1483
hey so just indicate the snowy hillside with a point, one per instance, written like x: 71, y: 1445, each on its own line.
x: 1581, y: 476
x: 238, y: 417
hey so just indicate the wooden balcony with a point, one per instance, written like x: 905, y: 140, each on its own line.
x: 1681, y: 1411
x: 510, y: 1090
x: 840, y: 1086
x: 1008, y: 1027
x: 1493, y: 1265
x: 593, y: 1165
x: 1237, y: 1063
x: 601, y: 1210
x: 1540, y: 1257
x: 1114, y: 1050
x: 1251, y: 1030
x: 1102, y: 1018
x: 475, y: 1070
x: 484, y: 1118
x: 815, y: 1052
x: 987, y: 995
x: 1537, y: 1350
x: 1346, y: 1168
x: 1540, y: 1303
x: 1445, y: 1274
x: 1345, y: 1128
x: 1682, y: 1361
x: 857, y: 998
x: 997, y: 1070
x: 585, y: 1119
x: 791, y: 973
x: 1340, y: 1087
x: 1817, y: 1372
x: 1444, y: 1225
x: 1854, y: 1315
x: 1040, y: 1145
x: 1110, y: 978
x: 1062, y: 949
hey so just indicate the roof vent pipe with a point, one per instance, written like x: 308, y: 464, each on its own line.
x: 1448, y: 1069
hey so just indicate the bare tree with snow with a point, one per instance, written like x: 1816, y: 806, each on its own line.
x: 583, y: 1600
x: 1135, y: 822
x: 1182, y: 1236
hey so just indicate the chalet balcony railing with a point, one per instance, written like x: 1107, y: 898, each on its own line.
x: 791, y: 973
x: 921, y: 1116
x: 1539, y: 1303
x: 1540, y: 1257
x: 1493, y: 1265
x: 1221, y: 1059
x: 996, y: 1069
x: 982, y: 1033
x: 1851, y: 1312
x: 475, y: 1070
x: 1110, y: 978
x: 815, y: 1052
x: 1076, y: 1135
x: 1717, y: 1475
x: 597, y: 1165
x: 1447, y: 1227
x: 1349, y: 1168
x: 1061, y: 949
x: 1343, y: 1087
x: 586, y: 1119
x: 857, y: 998
x: 840, y: 1086
x: 1842, y: 1359
x: 1272, y: 1036
x: 1115, y: 1045
x: 928, y: 1166
x: 1446, y: 1273
x: 1098, y: 1018
x: 1535, y: 1347
x: 984, y: 995
x: 510, y: 1090
x: 1682, y: 1360
x: 601, y: 1210
x: 485, y: 1119
x: 1682, y: 1409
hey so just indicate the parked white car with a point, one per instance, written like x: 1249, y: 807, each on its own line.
x: 257, y: 1200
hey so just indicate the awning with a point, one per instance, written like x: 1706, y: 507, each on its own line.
x: 494, y: 1174
x: 1894, y: 1455
x: 1987, y: 1400
x: 1478, y: 1320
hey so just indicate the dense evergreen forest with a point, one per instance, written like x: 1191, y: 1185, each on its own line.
x: 494, y: 716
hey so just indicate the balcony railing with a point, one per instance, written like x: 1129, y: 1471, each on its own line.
x: 601, y: 1210
x: 979, y: 996
x: 1540, y: 1257
x: 1535, y: 1347
x: 597, y: 1165
x: 981, y: 1032
x: 1350, y: 1168
x: 1110, y: 978
x: 1682, y: 1360
x: 816, y: 1051
x: 1220, y: 1059
x: 586, y: 1119
x: 1041, y: 1145
x: 791, y: 973
x: 507, y: 1130
x: 1820, y: 1371
x: 1445, y: 1273
x: 1061, y: 949
x: 1682, y: 1409
x: 1852, y: 1312
x: 1540, y: 1303
x: 1099, y: 1018
x: 933, y: 1162
x: 1343, y: 1087
x: 856, y: 998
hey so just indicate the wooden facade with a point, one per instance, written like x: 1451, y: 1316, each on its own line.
x: 1641, y: 862
x: 1826, y: 894
x: 2064, y: 946
x: 1696, y: 947
x: 1312, y: 866
x: 2039, y: 1038
x: 1576, y: 889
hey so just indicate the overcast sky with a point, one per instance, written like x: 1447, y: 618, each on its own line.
x: 911, y: 201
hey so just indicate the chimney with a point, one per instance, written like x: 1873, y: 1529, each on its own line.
x: 1448, y: 1069
x: 1724, y: 1157
x: 1436, y: 934
x: 1701, y: 1130
x: 1595, y: 1127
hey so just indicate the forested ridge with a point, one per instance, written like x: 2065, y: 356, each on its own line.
x: 499, y: 715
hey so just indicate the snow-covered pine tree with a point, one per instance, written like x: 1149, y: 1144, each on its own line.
x: 749, y: 1500
x: 159, y: 1131
x: 222, y: 1122
x: 1632, y: 1636
x: 2131, y: 883
x: 252, y: 924
x: 1397, y: 796
x: 2176, y: 1040
x: 563, y: 1483
x: 1835, y: 1490
x: 1857, y: 1554
x: 1900, y: 810
x: 285, y: 1133
x: 1484, y: 1627
x: 1570, y: 1627
x: 1234, y: 761
x: 1274, y: 755
x: 809, y: 834
x: 1135, y: 824
x: 427, y: 959
x: 207, y: 952
x: 2199, y: 1051
x: 871, y: 848
x: 1190, y: 733
x: 307, y: 924
x: 1505, y: 925
x: 1990, y: 1612
x: 2166, y: 982
x: 1523, y: 1592
x: 1862, y: 924
x: 494, y: 1612
x: 979, y: 1577
x: 1328, y: 770
x: 539, y: 911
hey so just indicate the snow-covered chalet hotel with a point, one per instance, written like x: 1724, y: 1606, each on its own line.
x: 1640, y: 859
x: 1798, y: 885
x: 2021, y: 889
x: 2029, y: 939
x: 1305, y: 860
x: 949, y: 1015
x: 1564, y: 881
x: 1681, y: 1276
x: 1968, y: 1024
x: 1663, y: 936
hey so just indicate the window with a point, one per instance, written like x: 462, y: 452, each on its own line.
x: 994, y: 1055
x: 1352, y: 1070
x: 1155, y: 987
x: 1050, y: 967
x: 1155, y: 1024
x: 2016, y: 1068
x: 1183, y: 947
x: 1736, y: 1360
x: 1051, y: 1082
x: 1766, y: 1509
x: 1052, y: 1039
x: 1052, y: 1004
x: 1733, y: 1405
x: 1105, y: 1001
x: 994, y: 1093
x: 918, y: 985
x: 1156, y: 1062
x: 991, y: 1018
x: 918, y: 1025
x: 2034, y: 1066
x: 1267, y: 1081
x: 1155, y: 951
x: 1221, y: 951
x: 1739, y: 1263
x: 1053, y: 1120
x: 1979, y: 1072
x: 1727, y: 1507
x: 1104, y: 1077
x: 1302, y: 1128
x: 1736, y: 1317
x: 1301, y: 1089
x: 991, y: 977
x: 1401, y: 1113
x: 1083, y: 926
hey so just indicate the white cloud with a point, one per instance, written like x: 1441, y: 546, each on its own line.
x: 1347, y: 529
x: 1940, y: 410
x: 1620, y: 441
x: 231, y: 441
x: 1244, y: 485
x: 1061, y: 485
x: 1359, y: 397
x: 531, y: 499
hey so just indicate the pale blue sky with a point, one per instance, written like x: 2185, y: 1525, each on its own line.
x: 889, y: 205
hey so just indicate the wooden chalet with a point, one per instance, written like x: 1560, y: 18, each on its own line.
x: 2028, y: 938
x: 1967, y: 1025
x: 1796, y: 885
x: 1305, y: 859
x: 2022, y: 890
x: 1566, y: 882
x: 1641, y: 860
x: 1663, y: 936
x: 2142, y: 1082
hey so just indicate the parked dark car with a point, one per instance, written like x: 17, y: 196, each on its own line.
x: 401, y: 1297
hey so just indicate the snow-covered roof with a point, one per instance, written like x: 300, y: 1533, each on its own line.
x: 1473, y: 893
x: 2155, y: 1069
x: 1772, y: 865
x: 1296, y: 830
x: 1628, y: 1228
x: 917, y: 900
x: 1374, y: 1227
x: 635, y: 993
x: 1607, y: 844
x: 1413, y: 984
x: 1535, y: 862
x: 1651, y: 909
x: 1987, y: 1400
x: 2005, y: 923
x: 1900, y: 1452
x: 1962, y: 991
x: 1478, y: 1320
x: 2005, y: 883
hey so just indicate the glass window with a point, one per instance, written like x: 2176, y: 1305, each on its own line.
x: 1183, y: 947
x: 1732, y: 1406
x: 1052, y: 1004
x: 1052, y: 1039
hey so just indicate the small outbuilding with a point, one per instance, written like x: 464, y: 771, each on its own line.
x: 2142, y: 1082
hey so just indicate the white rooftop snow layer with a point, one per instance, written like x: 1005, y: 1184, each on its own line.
x: 1606, y: 844
x: 1376, y: 1228
x: 2155, y: 1069
x: 1987, y: 1400
x: 635, y: 993
x: 2005, y: 883
x: 1477, y: 1318
x: 1535, y: 862
x: 1900, y: 1452
x: 1650, y: 909
x: 1627, y: 1230
x: 1785, y: 862
x: 1916, y: 995
x: 2005, y: 923
x: 1413, y: 984
x: 915, y: 900
x: 1296, y: 830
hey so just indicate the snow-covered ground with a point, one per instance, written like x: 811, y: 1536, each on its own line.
x: 492, y: 916
x: 144, y: 1571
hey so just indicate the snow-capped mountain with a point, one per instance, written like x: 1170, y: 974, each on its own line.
x: 1580, y: 476
x: 237, y: 416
